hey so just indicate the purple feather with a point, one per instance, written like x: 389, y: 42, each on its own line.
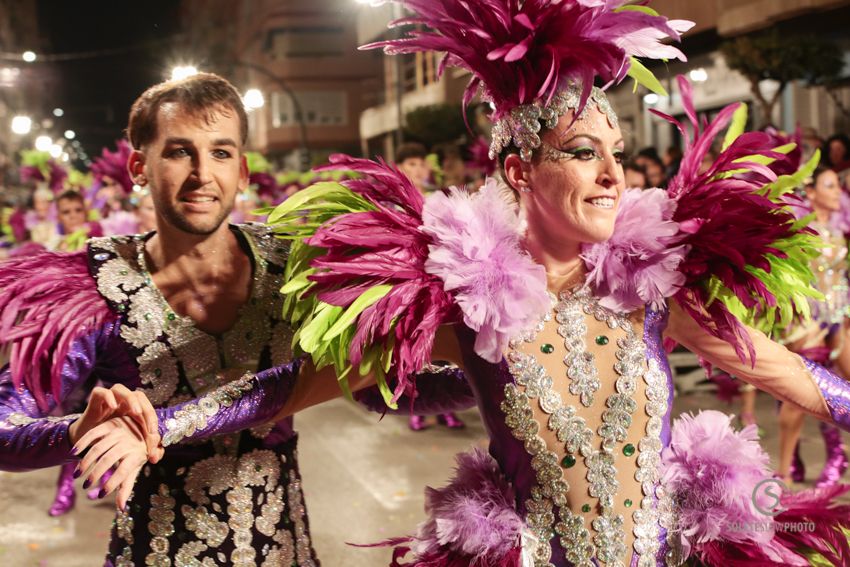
x: 472, y: 522
x: 639, y: 264
x: 524, y: 52
x: 114, y: 165
x: 47, y: 300
x: 476, y: 253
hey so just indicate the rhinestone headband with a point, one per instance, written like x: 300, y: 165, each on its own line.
x: 522, y: 126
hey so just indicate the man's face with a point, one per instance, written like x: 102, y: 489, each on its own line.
x: 72, y: 214
x: 416, y: 169
x: 195, y: 168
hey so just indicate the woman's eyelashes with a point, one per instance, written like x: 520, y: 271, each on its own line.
x: 581, y: 153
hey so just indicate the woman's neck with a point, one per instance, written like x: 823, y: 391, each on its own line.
x: 822, y: 215
x: 561, y: 260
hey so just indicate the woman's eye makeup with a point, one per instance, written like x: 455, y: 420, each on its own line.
x: 581, y: 153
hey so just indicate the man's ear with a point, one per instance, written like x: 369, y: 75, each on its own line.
x: 136, y: 167
x: 516, y: 173
x: 243, y: 173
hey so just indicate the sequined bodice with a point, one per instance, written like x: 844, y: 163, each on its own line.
x: 830, y: 269
x: 590, y: 405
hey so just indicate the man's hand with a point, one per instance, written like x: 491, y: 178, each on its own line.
x: 118, y: 443
x: 117, y: 401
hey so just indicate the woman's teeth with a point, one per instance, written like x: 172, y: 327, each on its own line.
x: 603, y: 202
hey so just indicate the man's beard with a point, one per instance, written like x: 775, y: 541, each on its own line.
x: 180, y: 222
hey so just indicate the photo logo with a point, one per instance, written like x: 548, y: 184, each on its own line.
x: 767, y: 497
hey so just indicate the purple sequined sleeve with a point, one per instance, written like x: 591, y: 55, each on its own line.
x: 29, y: 438
x: 835, y: 391
x: 438, y: 391
x: 250, y: 401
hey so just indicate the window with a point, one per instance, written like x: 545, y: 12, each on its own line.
x: 320, y: 108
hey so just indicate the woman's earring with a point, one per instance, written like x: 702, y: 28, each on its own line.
x: 525, y: 189
x: 141, y: 181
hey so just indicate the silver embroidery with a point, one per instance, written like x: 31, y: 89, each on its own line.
x: 521, y: 127
x: 608, y: 544
x: 161, y: 527
x: 193, y: 417
x: 125, y: 559
x: 115, y: 278
x: 20, y: 420
x: 159, y: 373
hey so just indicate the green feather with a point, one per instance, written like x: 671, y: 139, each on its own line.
x: 644, y: 76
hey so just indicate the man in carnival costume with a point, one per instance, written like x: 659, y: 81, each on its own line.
x: 554, y: 294
x: 169, y: 315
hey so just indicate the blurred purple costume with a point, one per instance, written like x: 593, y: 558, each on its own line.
x: 234, y: 499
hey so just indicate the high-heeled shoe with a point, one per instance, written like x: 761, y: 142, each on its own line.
x: 836, y: 458
x: 66, y: 496
x: 450, y: 420
x: 417, y: 423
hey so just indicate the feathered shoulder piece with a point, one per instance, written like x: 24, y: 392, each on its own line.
x: 523, y: 53
x: 724, y: 242
x: 47, y: 301
x: 375, y: 269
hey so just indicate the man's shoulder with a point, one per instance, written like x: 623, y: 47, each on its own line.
x: 267, y: 245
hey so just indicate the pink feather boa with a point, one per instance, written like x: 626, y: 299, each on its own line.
x: 472, y: 522
x: 476, y: 253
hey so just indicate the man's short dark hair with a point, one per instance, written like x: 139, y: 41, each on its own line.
x: 202, y: 95
x: 71, y: 195
x: 410, y: 150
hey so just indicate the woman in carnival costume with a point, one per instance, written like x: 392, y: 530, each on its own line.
x: 821, y: 338
x: 554, y: 296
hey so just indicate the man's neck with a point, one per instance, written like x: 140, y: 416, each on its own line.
x: 194, y: 254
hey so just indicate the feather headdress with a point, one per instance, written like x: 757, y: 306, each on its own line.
x: 522, y: 53
x: 114, y: 165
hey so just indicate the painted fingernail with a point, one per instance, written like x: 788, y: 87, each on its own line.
x: 102, y: 493
x: 86, y: 484
x: 78, y: 473
x: 74, y: 450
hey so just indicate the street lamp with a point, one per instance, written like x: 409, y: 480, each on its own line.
x: 29, y: 56
x: 21, y: 125
x: 182, y: 71
x: 58, y: 112
x: 253, y: 99
x: 43, y: 143
x: 55, y: 150
x: 70, y: 134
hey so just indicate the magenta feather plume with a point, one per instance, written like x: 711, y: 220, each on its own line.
x: 384, y: 246
x: 114, y: 165
x: 729, y: 223
x: 266, y: 185
x: 520, y: 52
x: 47, y: 301
x: 29, y: 173
x: 472, y: 522
x: 475, y: 252
x: 639, y: 264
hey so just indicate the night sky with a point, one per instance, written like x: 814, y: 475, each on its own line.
x: 96, y: 91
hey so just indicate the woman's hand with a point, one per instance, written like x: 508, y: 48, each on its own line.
x: 120, y: 444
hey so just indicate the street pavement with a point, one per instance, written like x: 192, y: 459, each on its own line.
x: 363, y: 479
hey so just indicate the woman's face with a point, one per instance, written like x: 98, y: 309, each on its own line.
x: 72, y: 214
x: 826, y: 193
x: 576, y: 179
x: 837, y: 152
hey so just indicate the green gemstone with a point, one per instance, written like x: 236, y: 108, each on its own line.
x: 147, y: 316
x: 568, y: 462
x: 585, y: 508
x: 602, y: 340
x: 258, y: 468
x: 629, y: 450
x: 628, y: 503
x: 157, y: 372
x: 547, y: 348
x: 122, y: 308
x: 172, y: 316
x: 123, y: 272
